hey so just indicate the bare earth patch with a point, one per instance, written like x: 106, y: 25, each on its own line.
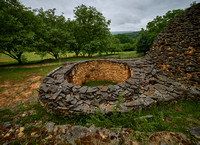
x: 13, y: 94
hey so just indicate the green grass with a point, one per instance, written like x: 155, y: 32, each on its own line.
x: 22, y: 74
x: 32, y: 58
x: 176, y: 117
x: 99, y: 83
x: 40, y: 114
x: 130, y: 55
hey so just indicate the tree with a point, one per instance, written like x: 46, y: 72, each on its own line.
x: 75, y: 40
x: 153, y: 28
x: 52, y: 34
x: 144, y: 42
x: 124, y: 38
x: 16, y: 29
x: 90, y: 30
x: 114, y: 45
x: 160, y: 22
x: 133, y: 35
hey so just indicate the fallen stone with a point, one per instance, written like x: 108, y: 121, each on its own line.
x: 6, y: 125
x: 77, y: 132
x: 195, y: 132
x: 144, y: 117
x: 50, y: 126
x: 21, y: 129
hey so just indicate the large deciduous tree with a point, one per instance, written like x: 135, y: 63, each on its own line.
x: 89, y: 30
x: 52, y: 35
x: 16, y: 29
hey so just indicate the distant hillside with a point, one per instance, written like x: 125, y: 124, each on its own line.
x: 132, y: 34
x: 120, y: 32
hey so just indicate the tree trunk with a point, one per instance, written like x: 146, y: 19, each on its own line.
x: 19, y: 61
x: 56, y: 56
x: 76, y: 53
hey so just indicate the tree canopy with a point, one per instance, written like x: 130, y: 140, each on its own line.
x: 44, y: 32
x: 17, y: 29
x: 89, y: 30
x: 153, y: 28
x: 52, y: 34
x: 23, y: 29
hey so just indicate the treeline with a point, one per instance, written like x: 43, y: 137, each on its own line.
x: 25, y: 30
x: 143, y: 39
x: 153, y: 28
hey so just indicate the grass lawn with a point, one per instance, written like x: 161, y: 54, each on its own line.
x: 32, y: 58
x: 176, y: 117
x: 99, y: 83
x: 21, y: 74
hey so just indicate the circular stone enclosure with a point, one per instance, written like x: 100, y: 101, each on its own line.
x: 99, y: 71
x: 168, y: 72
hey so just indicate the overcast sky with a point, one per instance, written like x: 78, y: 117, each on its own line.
x: 125, y: 15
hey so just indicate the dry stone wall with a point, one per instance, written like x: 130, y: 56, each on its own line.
x: 177, y: 49
x: 169, y: 72
x: 56, y: 93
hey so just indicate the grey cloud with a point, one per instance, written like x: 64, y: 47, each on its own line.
x: 125, y: 15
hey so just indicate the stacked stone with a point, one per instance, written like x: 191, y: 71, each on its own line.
x: 145, y: 87
x: 177, y: 49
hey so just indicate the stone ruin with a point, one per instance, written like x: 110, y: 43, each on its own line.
x: 170, y: 71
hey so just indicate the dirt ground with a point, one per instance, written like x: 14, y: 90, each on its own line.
x: 15, y: 93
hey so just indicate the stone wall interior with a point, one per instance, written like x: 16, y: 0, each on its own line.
x: 99, y: 71
x: 170, y: 71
